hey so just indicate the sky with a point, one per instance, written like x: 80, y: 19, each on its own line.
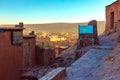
x: 51, y: 11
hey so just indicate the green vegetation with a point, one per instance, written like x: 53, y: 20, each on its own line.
x: 45, y: 45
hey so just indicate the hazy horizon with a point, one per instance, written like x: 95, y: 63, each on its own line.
x: 51, y: 23
x: 58, y: 27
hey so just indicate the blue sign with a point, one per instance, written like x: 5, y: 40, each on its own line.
x: 1, y: 30
x: 86, y: 29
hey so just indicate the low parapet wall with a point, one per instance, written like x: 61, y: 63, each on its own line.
x: 56, y: 74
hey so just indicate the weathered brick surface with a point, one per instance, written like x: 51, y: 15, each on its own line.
x: 113, y: 23
x: 29, y: 43
x: 11, y: 55
x: 11, y: 58
x: 44, y: 56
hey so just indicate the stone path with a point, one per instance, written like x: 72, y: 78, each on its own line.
x: 89, y: 66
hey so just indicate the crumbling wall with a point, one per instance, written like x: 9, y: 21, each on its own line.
x: 113, y: 25
x: 29, y: 51
x: 109, y: 9
x: 45, y: 57
x: 11, y: 52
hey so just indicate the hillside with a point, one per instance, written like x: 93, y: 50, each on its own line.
x: 101, y: 62
x: 59, y: 27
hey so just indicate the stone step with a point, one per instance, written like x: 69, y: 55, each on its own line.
x: 56, y: 74
x: 103, y: 47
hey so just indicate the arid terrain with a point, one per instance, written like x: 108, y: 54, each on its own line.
x: 58, y: 27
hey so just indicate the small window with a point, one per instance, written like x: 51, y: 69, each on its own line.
x: 112, y: 20
x: 17, y: 37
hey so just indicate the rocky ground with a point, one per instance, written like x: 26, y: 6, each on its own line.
x: 70, y: 55
x: 111, y: 66
x: 99, y: 63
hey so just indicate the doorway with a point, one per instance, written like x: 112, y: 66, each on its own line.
x: 112, y: 20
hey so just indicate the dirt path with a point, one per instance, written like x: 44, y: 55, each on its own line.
x: 89, y: 66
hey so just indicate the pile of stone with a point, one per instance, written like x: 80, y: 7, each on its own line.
x: 86, y: 39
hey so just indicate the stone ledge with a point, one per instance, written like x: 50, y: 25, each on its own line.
x: 56, y: 74
x: 103, y: 47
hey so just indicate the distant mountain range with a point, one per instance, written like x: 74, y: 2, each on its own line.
x: 59, y: 27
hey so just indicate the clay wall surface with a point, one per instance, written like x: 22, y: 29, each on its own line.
x: 12, y: 48
x: 29, y: 51
x: 10, y: 57
x: 45, y: 57
x: 115, y: 8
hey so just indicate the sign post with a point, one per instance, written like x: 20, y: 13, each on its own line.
x: 86, y: 29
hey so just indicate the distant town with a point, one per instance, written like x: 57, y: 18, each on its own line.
x: 55, y: 39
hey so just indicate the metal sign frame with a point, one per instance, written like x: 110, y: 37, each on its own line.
x: 85, y: 29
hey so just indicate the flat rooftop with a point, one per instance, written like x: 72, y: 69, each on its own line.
x: 11, y: 28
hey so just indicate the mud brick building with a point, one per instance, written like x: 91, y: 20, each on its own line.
x: 113, y: 17
x: 12, y: 52
x: 45, y: 56
x: 29, y: 51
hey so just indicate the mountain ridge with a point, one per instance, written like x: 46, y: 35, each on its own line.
x: 59, y: 27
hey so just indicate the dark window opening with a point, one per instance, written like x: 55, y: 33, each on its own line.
x: 112, y: 20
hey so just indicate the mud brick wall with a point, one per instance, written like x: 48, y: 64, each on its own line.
x: 29, y: 51
x: 45, y: 57
x: 118, y: 31
x: 12, y: 52
x: 11, y: 57
x: 113, y: 17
